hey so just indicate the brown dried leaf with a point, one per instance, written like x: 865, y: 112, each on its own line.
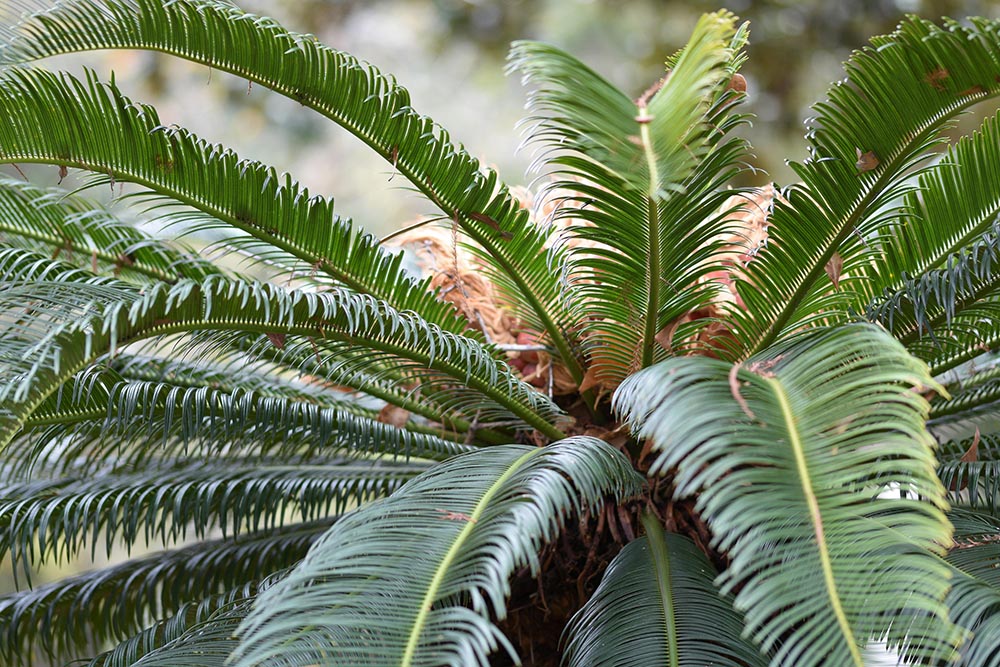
x: 738, y: 83
x: 589, y: 380
x: 866, y: 161
x: 393, y: 415
x: 971, y: 455
x: 833, y: 269
x: 277, y: 340
x: 666, y: 335
x: 936, y: 77
x: 734, y: 386
x: 492, y: 224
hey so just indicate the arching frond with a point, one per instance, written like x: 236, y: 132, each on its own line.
x: 788, y: 454
x: 863, y: 144
x: 353, y: 94
x: 83, y: 612
x: 657, y: 605
x: 940, y: 312
x: 59, y: 517
x: 649, y: 176
x: 87, y: 236
x: 100, y: 130
x: 974, y: 598
x: 957, y: 200
x: 188, y: 617
x: 71, y: 330
x: 136, y: 422
x: 454, y: 535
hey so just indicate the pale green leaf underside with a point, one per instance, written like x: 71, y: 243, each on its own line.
x: 787, y: 456
x: 416, y: 578
x: 657, y: 605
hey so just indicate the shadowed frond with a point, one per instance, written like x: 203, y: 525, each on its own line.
x: 970, y: 470
x: 971, y: 402
x: 172, y: 501
x: 208, y: 644
x: 974, y: 598
x: 647, y: 176
x: 454, y: 535
x: 354, y: 94
x: 863, y: 144
x: 83, y: 612
x: 788, y: 454
x: 99, y: 416
x: 657, y: 605
x: 937, y: 314
x: 188, y: 617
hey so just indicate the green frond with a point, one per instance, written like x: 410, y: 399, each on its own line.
x: 230, y: 374
x: 657, y: 605
x: 353, y: 94
x: 969, y: 404
x: 974, y: 598
x: 170, y: 501
x: 97, y: 416
x: 346, y: 366
x: 972, y: 483
x: 82, y: 613
x: 53, y: 222
x: 392, y: 583
x: 957, y: 201
x: 100, y: 130
x: 189, y: 616
x: 208, y: 644
x: 648, y: 176
x: 941, y: 310
x: 939, y: 71
x: 787, y: 455
x: 73, y: 323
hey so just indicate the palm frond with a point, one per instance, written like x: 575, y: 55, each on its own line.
x: 171, y: 501
x: 136, y: 421
x: 939, y: 312
x: 653, y: 607
x: 863, y: 145
x: 188, y: 617
x: 100, y: 130
x: 390, y: 585
x: 353, y: 94
x: 974, y: 598
x: 788, y: 454
x: 648, y: 174
x: 58, y: 328
x: 82, y: 613
x: 51, y: 221
x: 970, y: 470
x: 957, y: 201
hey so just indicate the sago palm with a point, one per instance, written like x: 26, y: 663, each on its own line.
x: 647, y: 420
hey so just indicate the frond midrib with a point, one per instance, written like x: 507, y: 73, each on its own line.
x: 400, y: 163
x: 798, y: 450
x: 137, y: 266
x: 430, y: 597
x: 887, y: 176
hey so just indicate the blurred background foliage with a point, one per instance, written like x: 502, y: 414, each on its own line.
x: 450, y: 55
